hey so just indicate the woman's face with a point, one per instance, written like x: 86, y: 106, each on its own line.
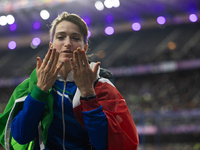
x: 67, y: 38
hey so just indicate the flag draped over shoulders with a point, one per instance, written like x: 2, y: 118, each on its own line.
x: 22, y: 90
x: 15, y: 104
x: 122, y: 133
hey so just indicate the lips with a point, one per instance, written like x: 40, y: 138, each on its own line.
x: 67, y: 51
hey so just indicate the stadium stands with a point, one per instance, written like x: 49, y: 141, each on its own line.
x: 162, y: 104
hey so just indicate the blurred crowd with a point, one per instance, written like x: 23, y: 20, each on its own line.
x: 144, y: 94
x: 174, y: 91
x: 171, y: 146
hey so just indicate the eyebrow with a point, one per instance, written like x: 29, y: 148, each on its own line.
x: 65, y: 33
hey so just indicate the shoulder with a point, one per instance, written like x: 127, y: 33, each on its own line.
x: 102, y: 72
x: 107, y: 74
x: 26, y: 86
x: 106, y: 90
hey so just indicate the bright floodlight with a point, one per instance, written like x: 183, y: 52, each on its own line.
x: 10, y: 19
x: 136, y: 26
x: 3, y: 20
x: 99, y: 5
x: 108, y: 3
x: 44, y: 14
x: 13, y: 27
x: 116, y: 3
x: 193, y: 18
x: 161, y: 20
x: 36, y: 41
x: 109, y: 30
x: 12, y: 45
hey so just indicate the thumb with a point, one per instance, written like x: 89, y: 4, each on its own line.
x: 39, y: 62
x: 96, y: 67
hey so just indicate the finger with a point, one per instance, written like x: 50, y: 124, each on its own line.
x: 49, y: 65
x: 52, y: 56
x: 75, y: 59
x: 39, y: 62
x: 80, y: 60
x: 72, y: 64
x: 96, y: 67
x: 58, y: 68
x: 84, y: 59
x: 46, y: 59
x: 53, y: 60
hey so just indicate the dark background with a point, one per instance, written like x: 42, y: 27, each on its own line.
x: 160, y: 85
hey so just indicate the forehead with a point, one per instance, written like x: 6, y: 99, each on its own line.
x: 67, y: 27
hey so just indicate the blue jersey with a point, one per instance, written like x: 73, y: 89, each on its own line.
x: 75, y: 134
x: 64, y: 129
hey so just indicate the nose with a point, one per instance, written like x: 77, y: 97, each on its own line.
x: 68, y: 42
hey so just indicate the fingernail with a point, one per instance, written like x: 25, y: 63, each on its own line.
x: 37, y: 58
x: 50, y: 50
x: 54, y: 49
x: 71, y: 59
x: 62, y: 62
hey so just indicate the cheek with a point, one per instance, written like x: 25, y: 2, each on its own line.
x: 57, y: 46
x: 79, y: 44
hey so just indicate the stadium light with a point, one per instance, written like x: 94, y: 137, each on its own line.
x: 36, y: 41
x: 109, y: 30
x: 99, y: 5
x: 116, y: 3
x: 13, y: 27
x: 3, y: 20
x: 89, y: 34
x: 10, y: 19
x: 136, y: 26
x: 36, y: 25
x: 112, y: 3
x: 161, y: 20
x: 12, y: 45
x: 44, y: 14
x: 108, y: 3
x: 109, y: 18
x: 87, y: 20
x: 193, y: 18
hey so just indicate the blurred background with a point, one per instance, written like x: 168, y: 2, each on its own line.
x: 152, y: 47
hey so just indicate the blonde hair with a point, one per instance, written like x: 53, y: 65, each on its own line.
x: 71, y: 18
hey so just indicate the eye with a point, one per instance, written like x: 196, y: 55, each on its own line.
x: 60, y: 37
x: 76, y: 38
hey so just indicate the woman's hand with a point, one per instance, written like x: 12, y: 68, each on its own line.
x: 83, y: 75
x: 47, y: 71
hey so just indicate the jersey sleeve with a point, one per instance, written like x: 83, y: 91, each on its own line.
x: 96, y: 123
x: 24, y: 125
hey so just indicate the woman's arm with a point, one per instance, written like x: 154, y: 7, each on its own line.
x: 25, y: 124
x: 96, y: 123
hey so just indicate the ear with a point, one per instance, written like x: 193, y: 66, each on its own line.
x: 86, y: 47
x: 50, y: 45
